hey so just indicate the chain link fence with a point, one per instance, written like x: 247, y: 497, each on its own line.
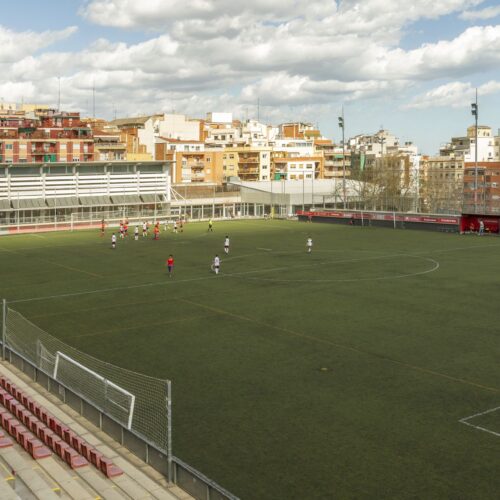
x: 136, y: 401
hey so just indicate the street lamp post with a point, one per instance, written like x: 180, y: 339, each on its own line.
x: 342, y: 126
x: 475, y: 113
x: 381, y: 140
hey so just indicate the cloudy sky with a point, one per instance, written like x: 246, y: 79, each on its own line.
x: 409, y: 66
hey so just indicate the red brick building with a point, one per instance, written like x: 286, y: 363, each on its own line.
x: 44, y: 136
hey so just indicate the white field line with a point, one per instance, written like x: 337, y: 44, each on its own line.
x: 484, y: 429
x: 201, y: 278
x: 265, y: 249
x: 257, y: 271
x: 104, y: 290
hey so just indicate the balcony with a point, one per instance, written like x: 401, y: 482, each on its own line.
x: 109, y: 145
x: 248, y: 160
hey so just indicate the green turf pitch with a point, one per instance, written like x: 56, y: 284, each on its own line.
x: 339, y: 374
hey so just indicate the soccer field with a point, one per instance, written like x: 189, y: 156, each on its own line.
x: 349, y: 372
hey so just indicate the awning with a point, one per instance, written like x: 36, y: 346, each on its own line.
x: 66, y: 202
x: 5, y: 205
x: 92, y: 201
x: 153, y: 198
x: 28, y: 204
x: 126, y: 199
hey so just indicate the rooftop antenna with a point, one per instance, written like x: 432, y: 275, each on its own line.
x: 93, y: 99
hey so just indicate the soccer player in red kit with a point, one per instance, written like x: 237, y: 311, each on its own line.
x: 170, y: 265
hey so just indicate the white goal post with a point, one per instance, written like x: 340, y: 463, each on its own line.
x: 114, y: 399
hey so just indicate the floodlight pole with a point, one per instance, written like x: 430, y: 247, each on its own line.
x: 475, y: 113
x: 342, y: 126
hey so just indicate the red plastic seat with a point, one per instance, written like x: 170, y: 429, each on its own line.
x: 7, y: 401
x: 61, y: 447
x: 37, y: 449
x: 109, y: 469
x: 35, y: 426
x: 76, y: 443
x: 52, y: 422
x: 85, y: 449
x: 52, y: 439
x: 23, y: 437
x: 12, y: 423
x: 17, y: 393
x: 44, y: 416
x: 5, y: 442
x: 74, y: 459
x: 16, y: 428
x: 95, y: 458
x: 67, y: 435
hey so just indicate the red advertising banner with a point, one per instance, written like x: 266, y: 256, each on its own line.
x: 387, y: 216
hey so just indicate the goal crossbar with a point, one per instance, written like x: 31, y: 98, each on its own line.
x: 106, y: 382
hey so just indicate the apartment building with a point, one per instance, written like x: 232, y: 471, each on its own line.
x: 465, y: 147
x: 190, y: 161
x: 333, y: 159
x: 297, y: 130
x: 482, y: 187
x: 108, y: 146
x: 45, y: 135
x: 248, y: 163
x: 297, y: 167
x: 141, y: 133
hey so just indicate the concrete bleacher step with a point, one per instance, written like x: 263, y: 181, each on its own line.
x: 88, y: 482
x: 71, y: 484
x: 19, y: 461
x: 6, y: 492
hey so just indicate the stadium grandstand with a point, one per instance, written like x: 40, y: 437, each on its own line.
x: 47, y: 450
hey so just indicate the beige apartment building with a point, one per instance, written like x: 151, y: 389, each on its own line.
x: 297, y: 167
x: 248, y: 163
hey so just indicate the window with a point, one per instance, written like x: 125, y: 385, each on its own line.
x: 231, y: 157
x: 17, y: 171
x: 209, y: 159
x: 264, y: 155
x: 22, y: 146
x: 59, y: 170
x: 8, y: 146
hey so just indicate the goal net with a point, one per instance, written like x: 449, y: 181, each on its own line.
x: 138, y: 402
x: 110, y: 397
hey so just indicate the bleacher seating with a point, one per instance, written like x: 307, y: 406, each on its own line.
x: 38, y: 432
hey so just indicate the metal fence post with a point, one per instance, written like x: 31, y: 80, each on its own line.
x: 169, y: 429
x: 4, y: 326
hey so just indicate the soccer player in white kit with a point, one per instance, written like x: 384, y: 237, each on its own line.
x: 309, y: 245
x: 136, y: 233
x: 113, y: 241
x: 216, y: 264
x: 226, y: 244
x: 144, y: 229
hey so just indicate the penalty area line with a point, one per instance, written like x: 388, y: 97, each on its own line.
x: 465, y: 421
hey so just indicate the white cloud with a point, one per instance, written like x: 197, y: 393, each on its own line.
x: 15, y: 45
x: 453, y: 94
x: 204, y: 53
x: 486, y: 13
